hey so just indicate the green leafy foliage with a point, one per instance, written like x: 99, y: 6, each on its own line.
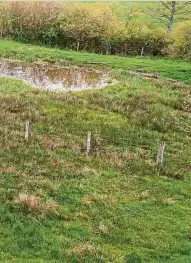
x: 181, y: 46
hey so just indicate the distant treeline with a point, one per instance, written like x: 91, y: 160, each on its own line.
x: 83, y: 27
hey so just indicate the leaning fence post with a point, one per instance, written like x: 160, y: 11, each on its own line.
x: 160, y: 154
x: 88, y: 147
x: 27, y: 130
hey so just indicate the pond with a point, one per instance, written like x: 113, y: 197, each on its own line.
x: 55, y: 77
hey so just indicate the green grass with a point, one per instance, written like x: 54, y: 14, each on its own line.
x: 114, y: 205
x: 175, y: 69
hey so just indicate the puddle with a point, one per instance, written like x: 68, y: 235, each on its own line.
x: 54, y: 77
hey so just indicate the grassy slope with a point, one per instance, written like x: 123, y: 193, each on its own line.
x: 179, y: 70
x: 139, y: 12
x: 111, y: 206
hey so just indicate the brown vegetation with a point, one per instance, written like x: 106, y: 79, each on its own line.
x: 34, y: 203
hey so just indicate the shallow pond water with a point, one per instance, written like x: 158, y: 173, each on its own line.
x: 54, y: 77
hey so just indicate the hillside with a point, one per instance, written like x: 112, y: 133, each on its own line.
x: 114, y: 205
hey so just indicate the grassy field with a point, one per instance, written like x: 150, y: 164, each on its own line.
x: 58, y: 205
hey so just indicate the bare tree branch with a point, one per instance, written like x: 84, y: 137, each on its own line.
x: 167, y: 12
x: 167, y: 7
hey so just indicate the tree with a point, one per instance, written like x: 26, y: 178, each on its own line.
x: 169, y: 12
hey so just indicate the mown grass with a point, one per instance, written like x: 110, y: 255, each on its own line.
x: 175, y: 69
x: 115, y: 205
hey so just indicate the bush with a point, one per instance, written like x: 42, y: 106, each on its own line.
x: 79, y: 27
x: 4, y: 20
x: 131, y: 39
x: 33, y: 21
x: 181, y: 46
x: 86, y: 28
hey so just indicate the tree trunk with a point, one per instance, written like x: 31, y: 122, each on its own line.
x: 171, y: 18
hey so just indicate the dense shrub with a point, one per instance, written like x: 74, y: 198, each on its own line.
x: 86, y: 28
x: 131, y: 39
x: 5, y: 22
x: 31, y: 21
x: 181, y: 46
x: 79, y: 27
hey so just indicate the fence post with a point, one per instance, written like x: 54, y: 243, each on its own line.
x: 160, y: 154
x: 5, y: 137
x: 78, y: 46
x: 27, y: 130
x: 88, y: 147
x: 142, y: 51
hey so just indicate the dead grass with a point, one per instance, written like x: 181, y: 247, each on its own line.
x: 8, y: 169
x: 145, y: 193
x: 86, y: 200
x: 117, y: 158
x: 31, y: 202
x: 87, y: 170
x: 80, y: 215
x: 102, y: 229
x: 82, y: 249
x: 34, y: 203
x: 57, y: 143
x: 178, y: 85
x: 146, y: 97
x: 169, y: 200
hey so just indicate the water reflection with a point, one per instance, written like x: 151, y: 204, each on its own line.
x: 54, y: 77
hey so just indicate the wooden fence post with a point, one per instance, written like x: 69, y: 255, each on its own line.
x: 78, y: 46
x: 142, y: 51
x: 27, y: 130
x: 88, y: 147
x: 160, y: 154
